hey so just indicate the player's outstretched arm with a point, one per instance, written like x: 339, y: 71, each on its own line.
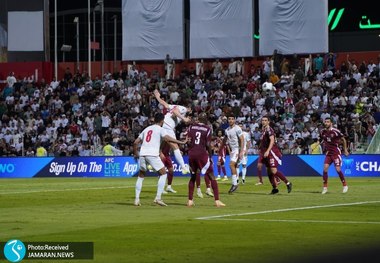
x: 167, y: 138
x: 158, y: 98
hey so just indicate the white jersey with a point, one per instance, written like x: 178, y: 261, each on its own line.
x: 233, y: 134
x: 247, y: 138
x: 171, y: 120
x: 151, y: 138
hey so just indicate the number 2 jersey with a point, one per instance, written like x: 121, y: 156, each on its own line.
x: 151, y: 138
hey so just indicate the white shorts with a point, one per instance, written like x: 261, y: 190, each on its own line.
x: 234, y: 155
x: 154, y: 161
x: 169, y: 132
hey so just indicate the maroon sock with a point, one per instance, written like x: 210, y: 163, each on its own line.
x: 207, y: 181
x: 215, y: 189
x: 191, y: 186
x: 198, y: 180
x: 342, y: 179
x: 325, y: 177
x: 170, y: 178
x: 259, y: 175
x: 224, y: 170
x: 281, y: 176
x: 219, y: 169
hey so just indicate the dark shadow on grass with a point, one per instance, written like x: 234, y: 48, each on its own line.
x: 310, y: 192
x: 365, y: 255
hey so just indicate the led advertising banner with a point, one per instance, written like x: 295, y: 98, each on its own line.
x: 293, y: 165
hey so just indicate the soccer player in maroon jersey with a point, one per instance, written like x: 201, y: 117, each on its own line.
x: 270, y: 155
x: 167, y: 160
x: 199, y: 137
x: 331, y: 139
x: 221, y: 155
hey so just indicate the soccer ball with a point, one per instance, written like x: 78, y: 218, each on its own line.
x: 150, y: 168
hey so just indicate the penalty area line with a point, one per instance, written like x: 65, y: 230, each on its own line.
x: 285, y: 210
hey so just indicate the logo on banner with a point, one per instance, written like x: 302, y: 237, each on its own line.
x: 370, y: 166
x: 347, y: 165
x: 7, y: 168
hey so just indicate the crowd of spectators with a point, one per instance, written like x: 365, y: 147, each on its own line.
x: 76, y: 115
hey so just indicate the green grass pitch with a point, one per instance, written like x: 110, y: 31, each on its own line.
x: 303, y: 226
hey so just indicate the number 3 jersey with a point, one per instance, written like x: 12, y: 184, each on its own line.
x: 151, y: 140
x: 200, y: 137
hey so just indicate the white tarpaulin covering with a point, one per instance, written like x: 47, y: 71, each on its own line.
x: 152, y: 29
x: 25, y: 31
x: 293, y: 26
x: 221, y: 28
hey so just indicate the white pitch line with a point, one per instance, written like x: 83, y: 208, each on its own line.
x: 286, y: 210
x: 298, y: 221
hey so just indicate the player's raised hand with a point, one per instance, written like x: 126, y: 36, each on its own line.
x: 156, y: 93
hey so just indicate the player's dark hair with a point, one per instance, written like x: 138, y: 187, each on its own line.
x: 231, y: 115
x: 158, y: 117
x: 328, y: 118
x: 202, y: 117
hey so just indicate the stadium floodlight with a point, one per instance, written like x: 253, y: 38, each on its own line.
x: 64, y: 49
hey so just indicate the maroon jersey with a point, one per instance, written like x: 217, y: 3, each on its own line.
x: 200, y: 137
x: 167, y: 160
x: 221, y: 150
x: 265, y: 140
x: 330, y: 140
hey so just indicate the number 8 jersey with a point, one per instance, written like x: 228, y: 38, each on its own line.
x: 151, y: 138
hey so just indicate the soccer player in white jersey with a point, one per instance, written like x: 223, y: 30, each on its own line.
x: 243, y: 161
x: 150, y: 139
x: 235, y: 140
x: 174, y: 114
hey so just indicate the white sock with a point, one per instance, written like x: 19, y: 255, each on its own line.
x: 138, y: 187
x: 179, y: 158
x: 234, y: 179
x: 238, y: 171
x: 243, y: 172
x: 161, y: 185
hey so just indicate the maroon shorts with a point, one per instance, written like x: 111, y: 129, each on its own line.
x: 200, y: 162
x: 272, y: 161
x: 221, y: 160
x: 336, y: 159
